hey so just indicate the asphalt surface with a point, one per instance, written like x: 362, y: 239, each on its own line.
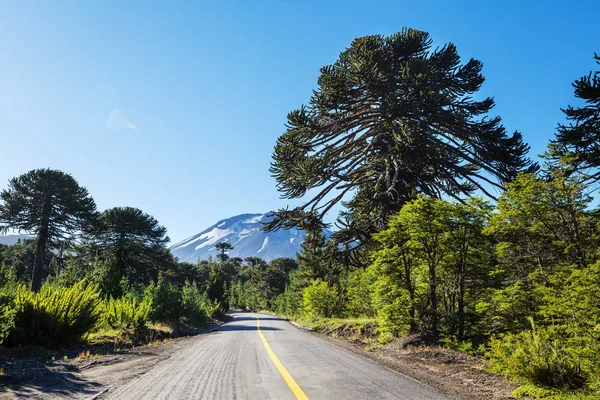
x: 234, y: 363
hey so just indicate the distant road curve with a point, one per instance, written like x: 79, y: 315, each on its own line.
x: 261, y: 357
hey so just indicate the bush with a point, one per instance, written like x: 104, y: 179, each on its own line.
x: 56, y: 316
x: 166, y: 301
x: 7, y: 313
x: 127, y: 313
x: 195, y: 304
x: 544, y: 357
x: 320, y: 299
x: 467, y: 347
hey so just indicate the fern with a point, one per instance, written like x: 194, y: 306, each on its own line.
x: 127, y: 313
x: 56, y: 316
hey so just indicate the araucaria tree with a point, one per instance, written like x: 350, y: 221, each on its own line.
x: 49, y: 204
x: 133, y: 242
x: 223, y: 247
x: 580, y: 139
x: 390, y: 119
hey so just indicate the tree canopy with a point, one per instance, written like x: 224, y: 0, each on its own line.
x: 49, y: 204
x: 133, y: 241
x: 580, y: 138
x: 392, y: 118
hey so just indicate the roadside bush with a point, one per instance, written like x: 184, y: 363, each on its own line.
x: 7, y: 313
x: 127, y: 313
x: 544, y: 357
x: 359, y: 293
x: 56, y: 316
x: 166, y: 301
x: 320, y: 299
x: 195, y: 303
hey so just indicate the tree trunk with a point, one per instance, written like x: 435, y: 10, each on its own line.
x: 411, y: 294
x: 433, y: 298
x: 461, y: 303
x: 38, y: 265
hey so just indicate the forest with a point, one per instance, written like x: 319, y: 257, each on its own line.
x: 450, y: 229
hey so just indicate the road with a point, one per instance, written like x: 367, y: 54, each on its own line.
x: 261, y: 357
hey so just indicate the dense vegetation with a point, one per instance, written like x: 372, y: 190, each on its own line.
x: 449, y: 230
x: 395, y: 133
x: 85, y: 272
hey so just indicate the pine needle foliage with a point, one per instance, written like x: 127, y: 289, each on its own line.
x: 55, y: 316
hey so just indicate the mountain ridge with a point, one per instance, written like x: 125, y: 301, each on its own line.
x: 244, y: 232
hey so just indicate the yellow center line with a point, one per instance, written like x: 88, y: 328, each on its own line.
x: 299, y: 393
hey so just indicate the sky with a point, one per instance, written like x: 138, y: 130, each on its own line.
x: 174, y: 107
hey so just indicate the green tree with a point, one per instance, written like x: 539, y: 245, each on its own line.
x: 468, y: 263
x: 320, y: 299
x: 433, y: 262
x: 18, y: 259
x: 392, y: 118
x: 49, y: 204
x: 544, y: 232
x: 134, y: 241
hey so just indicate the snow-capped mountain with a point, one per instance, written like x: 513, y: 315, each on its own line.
x: 244, y: 232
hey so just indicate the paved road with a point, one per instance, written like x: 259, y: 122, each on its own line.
x: 277, y: 361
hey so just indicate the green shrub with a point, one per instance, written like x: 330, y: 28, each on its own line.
x: 166, y: 301
x: 463, y: 346
x: 195, y: 303
x: 56, y: 316
x: 359, y: 293
x: 7, y: 313
x: 127, y: 313
x: 320, y: 299
x: 544, y: 357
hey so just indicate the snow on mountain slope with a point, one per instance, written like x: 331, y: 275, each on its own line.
x: 244, y: 233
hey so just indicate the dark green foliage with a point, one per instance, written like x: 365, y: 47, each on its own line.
x: 196, y: 304
x: 222, y: 247
x: 165, y: 298
x: 576, y: 144
x: 56, y: 316
x: 217, y: 284
x: 17, y: 260
x: 49, y: 204
x: 131, y: 245
x: 392, y: 118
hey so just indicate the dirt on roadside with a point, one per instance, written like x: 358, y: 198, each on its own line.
x: 83, y: 375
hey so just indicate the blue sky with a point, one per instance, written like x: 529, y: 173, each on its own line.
x: 201, y: 89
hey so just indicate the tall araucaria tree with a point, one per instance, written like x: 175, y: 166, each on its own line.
x: 390, y: 119
x: 134, y: 241
x: 49, y: 204
x: 578, y: 143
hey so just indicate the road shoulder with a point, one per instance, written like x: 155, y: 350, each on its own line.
x: 453, y: 373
